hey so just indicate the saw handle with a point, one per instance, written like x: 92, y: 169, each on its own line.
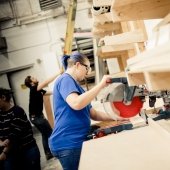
x: 118, y: 80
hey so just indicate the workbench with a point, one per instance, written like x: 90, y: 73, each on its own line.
x: 144, y: 148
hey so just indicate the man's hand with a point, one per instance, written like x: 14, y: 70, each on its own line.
x: 4, y: 143
x: 2, y: 156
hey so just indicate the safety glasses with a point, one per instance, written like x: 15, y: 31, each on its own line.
x: 88, y: 68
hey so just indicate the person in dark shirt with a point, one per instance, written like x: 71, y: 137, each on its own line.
x: 18, y: 146
x: 36, y: 109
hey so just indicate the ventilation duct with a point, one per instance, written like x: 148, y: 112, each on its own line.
x: 50, y: 4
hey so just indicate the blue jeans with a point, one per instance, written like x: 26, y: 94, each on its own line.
x: 45, y: 129
x: 69, y: 159
x: 28, y: 159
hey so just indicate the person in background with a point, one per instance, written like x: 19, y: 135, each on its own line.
x: 73, y: 111
x: 36, y: 109
x: 18, y: 146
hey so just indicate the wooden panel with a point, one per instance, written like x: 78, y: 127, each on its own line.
x: 158, y: 80
x: 48, y: 109
x: 138, y: 149
x: 155, y: 78
x: 128, y: 10
x: 135, y: 79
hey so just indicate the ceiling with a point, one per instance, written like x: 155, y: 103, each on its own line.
x: 14, y: 9
x: 21, y: 10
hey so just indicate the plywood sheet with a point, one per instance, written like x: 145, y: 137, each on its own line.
x: 144, y: 148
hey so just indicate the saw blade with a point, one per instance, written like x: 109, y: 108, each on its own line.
x: 127, y: 111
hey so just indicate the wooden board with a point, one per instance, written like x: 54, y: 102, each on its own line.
x: 128, y: 10
x: 110, y: 54
x: 48, y: 109
x: 165, y: 21
x: 155, y: 56
x: 145, y: 148
x: 112, y: 48
x: 106, y: 17
x: 124, y: 38
x: 154, y: 78
x: 102, y: 2
x: 108, y: 28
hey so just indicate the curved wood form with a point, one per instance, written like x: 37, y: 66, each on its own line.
x: 151, y: 67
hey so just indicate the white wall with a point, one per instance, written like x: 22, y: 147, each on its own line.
x: 38, y: 43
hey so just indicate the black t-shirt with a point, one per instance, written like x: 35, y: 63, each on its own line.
x: 36, y: 101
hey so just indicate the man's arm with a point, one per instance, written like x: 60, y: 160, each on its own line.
x: 49, y: 80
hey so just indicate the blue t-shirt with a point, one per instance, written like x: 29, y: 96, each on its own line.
x: 71, y: 126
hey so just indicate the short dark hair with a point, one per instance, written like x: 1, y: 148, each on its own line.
x: 28, y: 81
x: 6, y: 92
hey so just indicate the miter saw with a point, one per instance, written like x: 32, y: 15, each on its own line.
x: 124, y: 101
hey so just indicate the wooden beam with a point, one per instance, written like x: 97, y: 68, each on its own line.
x: 106, y: 17
x: 124, y: 38
x: 119, y: 74
x: 158, y: 80
x: 121, y: 64
x: 113, y: 48
x: 109, y: 26
x: 136, y: 78
x: 101, y: 34
x: 155, y: 78
x: 102, y: 2
x: 128, y: 10
x: 110, y: 54
x: 165, y: 21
